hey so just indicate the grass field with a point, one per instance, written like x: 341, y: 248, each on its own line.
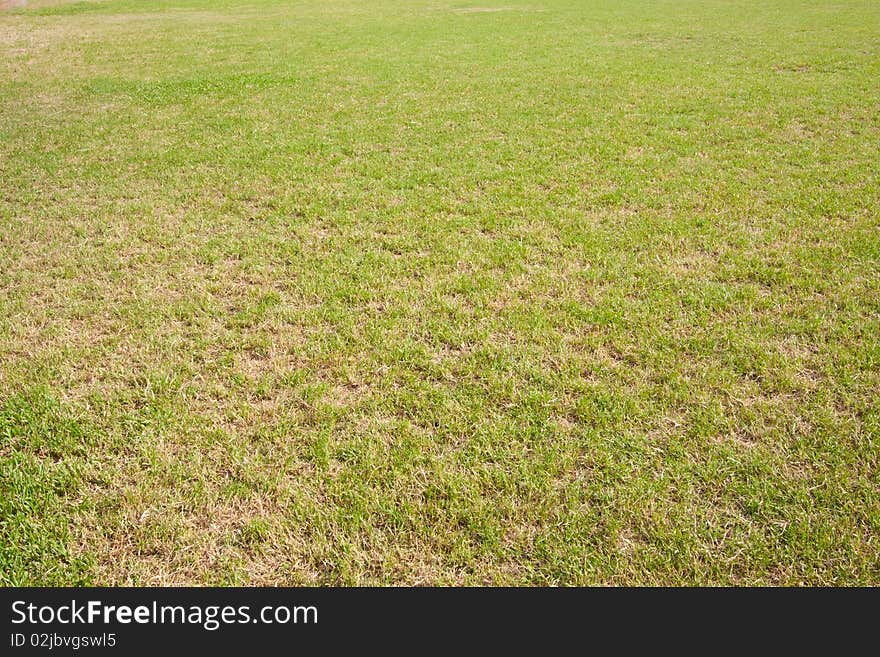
x: 440, y: 292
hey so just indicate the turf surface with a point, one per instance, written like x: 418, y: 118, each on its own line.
x: 402, y: 292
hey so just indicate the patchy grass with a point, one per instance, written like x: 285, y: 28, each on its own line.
x: 39, y: 468
x: 570, y: 292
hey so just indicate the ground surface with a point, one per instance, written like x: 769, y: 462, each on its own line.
x: 372, y: 291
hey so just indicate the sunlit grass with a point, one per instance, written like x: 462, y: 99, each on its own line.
x: 394, y: 292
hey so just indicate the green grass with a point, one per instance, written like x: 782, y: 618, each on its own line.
x: 405, y: 292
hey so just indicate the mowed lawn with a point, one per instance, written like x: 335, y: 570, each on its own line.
x: 440, y: 292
